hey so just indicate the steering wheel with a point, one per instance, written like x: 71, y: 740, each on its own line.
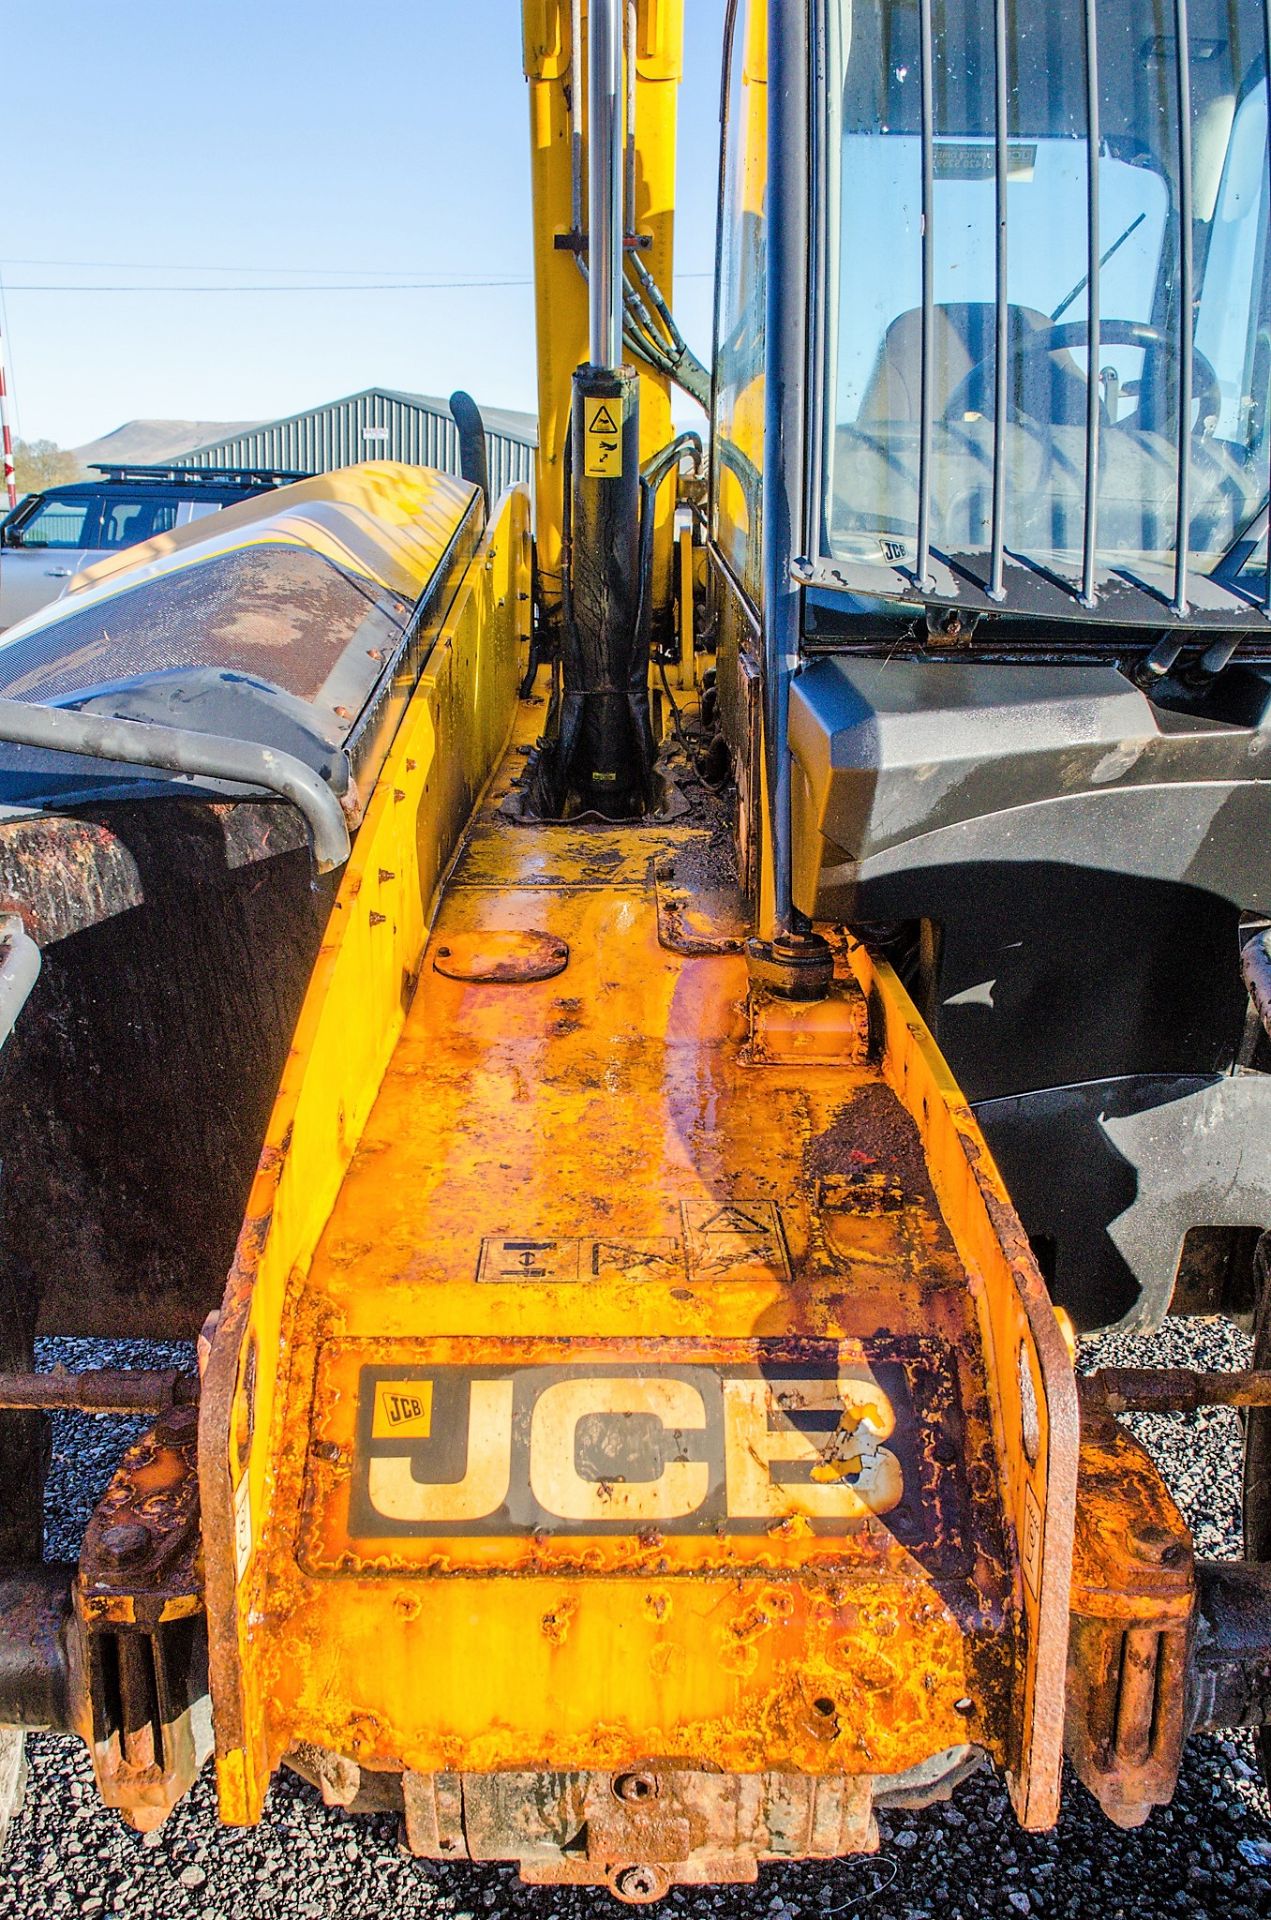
x: 1076, y: 333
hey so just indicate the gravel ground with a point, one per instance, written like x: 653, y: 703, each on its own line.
x: 1209, y: 1853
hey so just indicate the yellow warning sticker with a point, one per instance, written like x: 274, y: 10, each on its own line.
x: 403, y: 1410
x: 602, y: 420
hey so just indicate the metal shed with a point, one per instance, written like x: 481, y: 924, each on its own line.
x: 377, y: 424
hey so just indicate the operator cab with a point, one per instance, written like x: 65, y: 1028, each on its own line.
x: 1026, y: 493
x: 962, y: 376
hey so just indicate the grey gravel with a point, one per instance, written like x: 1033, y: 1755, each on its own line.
x: 1209, y: 1853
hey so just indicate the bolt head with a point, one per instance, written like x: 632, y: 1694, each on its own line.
x: 636, y: 1788
x: 118, y: 1545
x: 640, y: 1882
x: 176, y: 1426
x: 1155, y: 1545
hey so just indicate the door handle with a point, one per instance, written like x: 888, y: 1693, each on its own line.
x: 57, y: 573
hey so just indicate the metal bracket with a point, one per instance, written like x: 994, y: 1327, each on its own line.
x: 212, y: 756
x: 798, y: 966
x: 139, y: 1598
x: 576, y: 242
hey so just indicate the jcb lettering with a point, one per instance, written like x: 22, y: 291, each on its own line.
x: 691, y: 1448
x: 398, y: 1495
x: 848, y: 1475
x: 670, y: 1409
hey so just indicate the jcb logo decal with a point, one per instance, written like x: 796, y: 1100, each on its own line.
x: 609, y: 1449
x: 402, y: 1411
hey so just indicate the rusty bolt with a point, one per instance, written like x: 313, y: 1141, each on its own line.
x: 1155, y: 1545
x: 175, y: 1428
x: 635, y: 1788
x: 639, y: 1883
x: 120, y: 1544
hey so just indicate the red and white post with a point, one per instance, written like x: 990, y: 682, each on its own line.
x: 6, y: 434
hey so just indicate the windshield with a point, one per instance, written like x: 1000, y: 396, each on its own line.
x: 1075, y: 266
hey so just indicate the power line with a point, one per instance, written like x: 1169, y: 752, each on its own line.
x: 329, y: 286
x: 442, y: 275
x: 204, y: 266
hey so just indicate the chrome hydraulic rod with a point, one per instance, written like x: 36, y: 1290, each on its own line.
x: 604, y: 183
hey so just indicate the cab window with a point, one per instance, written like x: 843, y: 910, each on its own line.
x: 65, y: 522
x: 126, y: 521
x: 1086, y: 454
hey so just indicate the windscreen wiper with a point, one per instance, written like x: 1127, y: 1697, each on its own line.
x: 1104, y: 258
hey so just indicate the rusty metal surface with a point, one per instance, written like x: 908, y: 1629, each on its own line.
x: 720, y: 1228
x: 140, y: 1562
x: 498, y: 955
x: 450, y: 740
x: 1028, y: 1369
x: 38, y: 1664
x: 752, y: 1659
x: 63, y: 874
x: 139, y: 1604
x: 1229, y: 1682
x: 1133, y: 1596
x: 1179, y: 1389
x: 116, y: 1390
x: 640, y: 1831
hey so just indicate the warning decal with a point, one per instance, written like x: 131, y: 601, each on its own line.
x: 735, y: 1241
x: 528, y: 1260
x: 602, y: 423
x: 721, y: 1240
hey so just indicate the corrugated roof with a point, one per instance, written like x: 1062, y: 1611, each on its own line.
x: 501, y: 420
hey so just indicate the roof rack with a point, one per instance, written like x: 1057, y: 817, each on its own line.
x: 199, y: 476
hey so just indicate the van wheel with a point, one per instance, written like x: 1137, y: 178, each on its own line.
x: 12, y: 1777
x: 1257, y: 1486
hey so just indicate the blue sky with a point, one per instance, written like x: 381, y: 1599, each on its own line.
x: 293, y: 142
